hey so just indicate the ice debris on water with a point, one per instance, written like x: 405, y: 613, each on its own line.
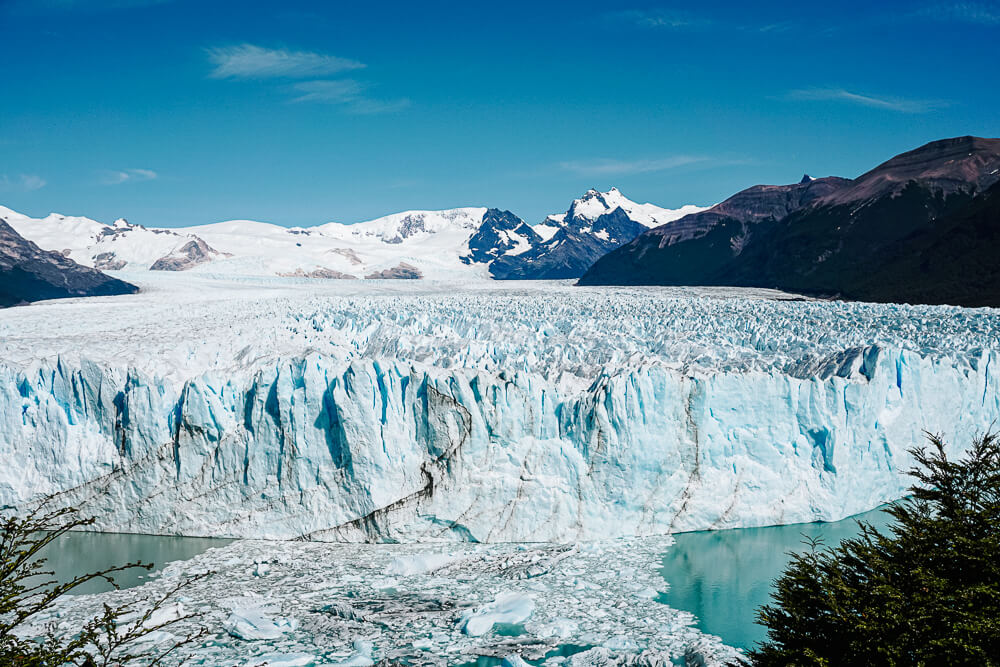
x: 506, y: 608
x: 326, y: 604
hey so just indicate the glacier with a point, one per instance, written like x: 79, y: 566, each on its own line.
x: 483, y: 412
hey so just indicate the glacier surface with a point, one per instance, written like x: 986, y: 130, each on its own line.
x: 485, y: 412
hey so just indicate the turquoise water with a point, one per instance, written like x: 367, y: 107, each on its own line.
x: 74, y: 554
x: 722, y: 577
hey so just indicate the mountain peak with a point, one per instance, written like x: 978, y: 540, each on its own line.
x: 959, y: 164
x: 806, y: 178
x: 593, y: 204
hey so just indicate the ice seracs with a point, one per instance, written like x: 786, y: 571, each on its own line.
x: 482, y: 412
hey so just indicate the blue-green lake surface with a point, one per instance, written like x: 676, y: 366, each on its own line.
x: 78, y: 553
x: 723, y: 576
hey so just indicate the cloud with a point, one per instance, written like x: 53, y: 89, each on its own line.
x: 340, y: 90
x: 128, y: 176
x: 612, y: 167
x: 346, y: 92
x: 21, y: 183
x: 658, y: 18
x: 981, y: 13
x: 247, y: 61
x: 900, y: 104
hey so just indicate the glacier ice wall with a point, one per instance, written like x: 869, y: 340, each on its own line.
x: 328, y: 448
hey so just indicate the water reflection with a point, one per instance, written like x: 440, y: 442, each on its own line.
x: 722, y: 577
x: 75, y: 553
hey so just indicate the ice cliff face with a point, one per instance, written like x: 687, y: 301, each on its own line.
x: 427, y: 418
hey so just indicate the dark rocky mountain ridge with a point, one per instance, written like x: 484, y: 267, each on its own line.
x: 854, y: 239
x: 28, y: 273
x: 576, y: 245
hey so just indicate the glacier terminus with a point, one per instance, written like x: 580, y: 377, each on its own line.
x: 422, y: 411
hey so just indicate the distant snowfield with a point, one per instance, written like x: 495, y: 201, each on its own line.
x: 421, y: 411
x: 412, y: 244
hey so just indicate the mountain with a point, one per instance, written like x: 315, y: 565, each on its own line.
x: 28, y: 273
x: 571, y: 242
x: 426, y: 244
x: 921, y: 228
x: 461, y: 243
x: 501, y: 233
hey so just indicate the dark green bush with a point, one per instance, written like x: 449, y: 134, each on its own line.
x: 27, y: 592
x: 927, y: 592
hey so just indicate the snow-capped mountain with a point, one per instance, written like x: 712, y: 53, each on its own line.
x: 594, y: 204
x: 919, y: 228
x: 411, y: 244
x: 593, y: 226
x: 464, y: 243
x: 28, y: 273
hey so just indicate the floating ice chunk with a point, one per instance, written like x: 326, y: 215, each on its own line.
x: 704, y: 653
x: 362, y: 656
x: 344, y: 610
x: 158, y: 617
x: 254, y: 623
x: 506, y: 608
x: 559, y: 627
x: 156, y: 637
x: 405, y: 566
x: 648, y: 592
x: 621, y: 643
x: 513, y: 661
x: 282, y: 660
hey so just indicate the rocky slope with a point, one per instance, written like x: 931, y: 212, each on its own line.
x: 570, y: 243
x: 28, y: 273
x: 922, y: 227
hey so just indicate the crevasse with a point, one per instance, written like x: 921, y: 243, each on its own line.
x: 323, y: 448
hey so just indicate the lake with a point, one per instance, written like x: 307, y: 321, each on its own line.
x: 78, y: 553
x: 723, y: 576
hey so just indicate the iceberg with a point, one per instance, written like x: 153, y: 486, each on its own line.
x: 508, y: 608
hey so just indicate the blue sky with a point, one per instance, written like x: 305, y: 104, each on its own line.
x: 177, y: 112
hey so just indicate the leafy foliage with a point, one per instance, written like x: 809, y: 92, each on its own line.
x: 925, y: 593
x: 119, y: 635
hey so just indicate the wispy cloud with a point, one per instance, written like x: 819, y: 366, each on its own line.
x: 21, y: 183
x: 900, y: 104
x: 658, y: 18
x: 248, y: 61
x: 346, y: 92
x: 128, y: 176
x: 981, y: 13
x: 614, y: 167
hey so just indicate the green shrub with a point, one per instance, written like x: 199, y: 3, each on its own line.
x: 927, y: 592
x: 112, y: 637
